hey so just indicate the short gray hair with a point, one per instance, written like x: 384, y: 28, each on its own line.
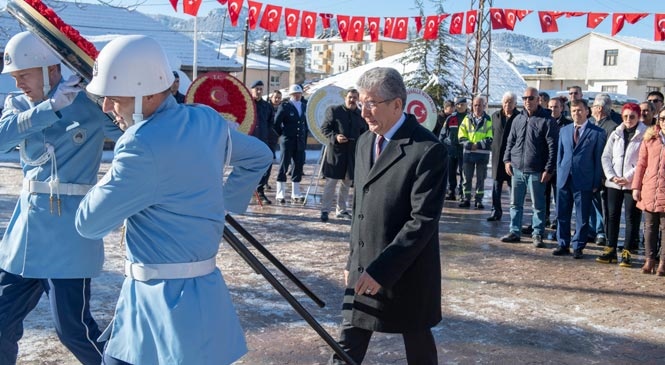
x: 386, y: 82
x: 605, y: 102
x: 509, y: 95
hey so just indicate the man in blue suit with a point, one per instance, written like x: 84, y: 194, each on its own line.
x: 579, y: 173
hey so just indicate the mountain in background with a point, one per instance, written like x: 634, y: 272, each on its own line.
x: 524, y: 52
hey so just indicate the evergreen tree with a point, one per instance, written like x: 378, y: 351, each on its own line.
x: 418, y: 52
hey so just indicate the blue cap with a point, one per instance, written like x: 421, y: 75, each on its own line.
x: 256, y: 83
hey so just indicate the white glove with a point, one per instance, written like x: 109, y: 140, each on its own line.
x: 66, y: 93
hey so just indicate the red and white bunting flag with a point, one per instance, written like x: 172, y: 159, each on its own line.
x: 388, y: 27
x: 511, y: 18
x: 471, y: 20
x: 571, y: 14
x: 432, y: 23
x: 308, y: 24
x: 373, y: 25
x: 443, y: 17
x: 521, y: 14
x: 234, y: 7
x: 325, y: 19
x: 223, y: 2
x: 271, y: 17
x: 356, y: 29
x: 456, y: 23
x: 548, y: 21
x: 291, y: 17
x: 419, y: 23
x: 400, y: 28
x: 619, y: 19
x: 253, y: 13
x: 343, y: 26
x: 174, y: 3
x: 498, y: 18
x: 633, y: 18
x: 191, y: 7
x: 659, y: 27
x: 593, y: 19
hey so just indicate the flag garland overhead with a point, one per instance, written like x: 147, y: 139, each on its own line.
x: 353, y: 28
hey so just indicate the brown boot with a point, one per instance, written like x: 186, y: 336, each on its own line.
x: 649, y: 266
x: 661, y: 267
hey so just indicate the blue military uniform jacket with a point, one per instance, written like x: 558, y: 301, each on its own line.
x: 291, y: 125
x: 41, y: 242
x: 166, y: 183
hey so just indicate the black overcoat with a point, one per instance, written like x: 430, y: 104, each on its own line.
x: 395, y: 231
x: 500, y: 130
x: 339, y: 162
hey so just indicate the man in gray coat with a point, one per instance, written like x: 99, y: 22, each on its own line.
x: 393, y: 274
x: 342, y: 126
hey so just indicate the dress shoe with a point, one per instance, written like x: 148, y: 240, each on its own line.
x: 608, y: 256
x: 626, y: 259
x: 343, y: 215
x: 451, y: 197
x: 281, y: 201
x: 324, y: 216
x: 527, y: 230
x: 464, y: 204
x: 493, y: 218
x: 298, y: 200
x: 561, y: 251
x: 510, y: 237
x: 577, y: 254
x: 661, y: 268
x: 553, y: 225
x: 263, y: 198
x: 601, y: 241
x: 538, y: 241
x: 649, y: 266
x: 479, y: 205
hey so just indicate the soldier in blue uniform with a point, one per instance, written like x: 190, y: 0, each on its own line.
x: 166, y: 184
x: 60, y: 133
x: 291, y: 126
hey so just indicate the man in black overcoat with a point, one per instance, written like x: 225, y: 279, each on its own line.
x: 263, y: 130
x: 393, y: 273
x: 502, y: 119
x: 342, y: 126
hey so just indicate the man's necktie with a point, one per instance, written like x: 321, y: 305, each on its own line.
x: 378, y: 147
x: 576, y: 135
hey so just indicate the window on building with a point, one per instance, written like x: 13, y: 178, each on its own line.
x: 274, y: 81
x: 652, y: 88
x: 609, y: 88
x: 611, y: 57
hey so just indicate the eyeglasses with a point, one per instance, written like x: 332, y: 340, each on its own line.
x: 373, y: 104
x: 655, y: 100
x: 529, y: 98
x: 661, y: 119
x: 573, y: 93
x: 629, y: 117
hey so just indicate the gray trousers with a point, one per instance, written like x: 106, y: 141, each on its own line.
x: 477, y: 164
x: 329, y: 194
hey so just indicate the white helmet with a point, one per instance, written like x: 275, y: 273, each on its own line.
x: 295, y: 88
x: 24, y: 51
x: 132, y: 66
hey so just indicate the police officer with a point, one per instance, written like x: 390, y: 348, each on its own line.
x: 165, y: 183
x: 291, y: 126
x: 263, y: 130
x: 60, y: 133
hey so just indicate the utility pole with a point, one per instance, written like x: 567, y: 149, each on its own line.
x: 269, y: 50
x: 244, y: 56
x: 478, y: 51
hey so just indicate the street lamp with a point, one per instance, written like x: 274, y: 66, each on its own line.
x: 268, y: 39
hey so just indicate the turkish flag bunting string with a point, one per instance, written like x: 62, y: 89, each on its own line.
x: 270, y: 18
x: 353, y: 28
x: 659, y: 27
x: 357, y: 29
x: 253, y: 13
x: 432, y: 23
x: 308, y: 24
x: 373, y: 24
x: 233, y: 9
x: 618, y: 20
x: 191, y: 7
x: 388, y: 27
x: 343, y: 26
x: 419, y: 23
x: 456, y: 23
x: 593, y: 19
x: 291, y: 17
x: 498, y: 18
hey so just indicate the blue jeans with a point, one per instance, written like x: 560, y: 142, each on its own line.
x: 520, y: 183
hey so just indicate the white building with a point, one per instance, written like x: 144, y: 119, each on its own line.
x: 599, y: 62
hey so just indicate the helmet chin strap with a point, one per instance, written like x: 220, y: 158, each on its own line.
x: 47, y: 83
x: 137, y: 117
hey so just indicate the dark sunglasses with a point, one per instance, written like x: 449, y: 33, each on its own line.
x: 529, y: 98
x: 655, y: 100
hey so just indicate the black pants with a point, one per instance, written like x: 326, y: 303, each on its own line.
x: 420, y: 346
x: 550, y: 193
x: 454, y: 167
x: 264, y: 180
x: 497, y: 190
x: 633, y: 216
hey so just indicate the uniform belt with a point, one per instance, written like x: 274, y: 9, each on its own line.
x: 184, y: 270
x: 40, y: 187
